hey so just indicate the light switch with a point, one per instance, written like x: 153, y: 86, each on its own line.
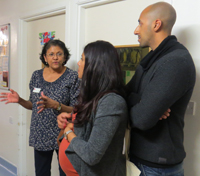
x: 191, y: 108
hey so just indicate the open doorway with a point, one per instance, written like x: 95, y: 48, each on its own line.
x: 54, y: 26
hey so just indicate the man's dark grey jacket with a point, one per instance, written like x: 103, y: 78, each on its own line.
x: 168, y: 83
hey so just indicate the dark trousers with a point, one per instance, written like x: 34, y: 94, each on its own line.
x: 43, y: 161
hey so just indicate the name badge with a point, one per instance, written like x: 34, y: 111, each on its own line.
x: 36, y: 90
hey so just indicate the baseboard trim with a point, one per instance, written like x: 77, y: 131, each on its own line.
x: 7, y: 168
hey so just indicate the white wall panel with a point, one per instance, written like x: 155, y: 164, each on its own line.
x: 114, y: 22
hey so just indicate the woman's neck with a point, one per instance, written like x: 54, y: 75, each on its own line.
x: 51, y: 75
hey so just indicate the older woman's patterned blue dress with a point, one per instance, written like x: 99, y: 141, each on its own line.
x: 44, y: 129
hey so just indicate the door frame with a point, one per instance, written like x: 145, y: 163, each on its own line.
x: 22, y: 55
x: 74, y: 39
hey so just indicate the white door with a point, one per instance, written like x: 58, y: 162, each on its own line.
x: 34, y: 48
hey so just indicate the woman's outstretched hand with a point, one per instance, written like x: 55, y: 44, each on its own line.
x: 11, y: 97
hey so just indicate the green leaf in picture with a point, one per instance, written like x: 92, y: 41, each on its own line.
x: 127, y: 73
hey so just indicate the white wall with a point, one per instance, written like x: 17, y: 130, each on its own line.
x: 187, y: 30
x: 28, y: 7
x: 9, y: 132
x: 113, y: 22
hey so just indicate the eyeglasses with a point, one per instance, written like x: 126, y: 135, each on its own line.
x: 53, y: 55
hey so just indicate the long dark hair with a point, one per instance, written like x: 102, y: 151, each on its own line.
x: 54, y: 43
x: 102, y: 74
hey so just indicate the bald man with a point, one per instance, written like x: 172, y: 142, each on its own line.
x: 164, y: 79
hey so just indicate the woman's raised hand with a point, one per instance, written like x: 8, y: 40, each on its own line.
x: 45, y: 102
x: 62, y: 120
x: 11, y: 97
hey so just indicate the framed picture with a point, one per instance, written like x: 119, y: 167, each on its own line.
x: 44, y: 37
x: 4, y: 56
x: 130, y: 56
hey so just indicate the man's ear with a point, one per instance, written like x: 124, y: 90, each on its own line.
x: 157, y: 25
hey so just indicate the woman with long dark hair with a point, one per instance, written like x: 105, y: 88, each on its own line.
x: 93, y: 142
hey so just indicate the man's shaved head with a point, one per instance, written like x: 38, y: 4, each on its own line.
x: 155, y: 24
x: 163, y: 11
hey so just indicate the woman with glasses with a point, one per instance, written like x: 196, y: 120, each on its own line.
x: 94, y: 139
x: 53, y: 89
